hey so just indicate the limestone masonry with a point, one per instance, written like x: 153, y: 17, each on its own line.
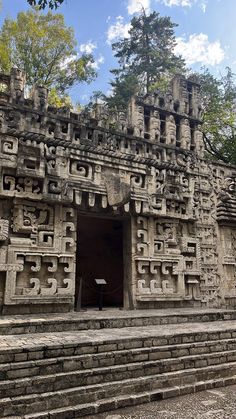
x: 140, y: 178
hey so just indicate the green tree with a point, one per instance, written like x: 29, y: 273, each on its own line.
x: 59, y: 100
x: 42, y: 4
x: 219, y: 114
x: 45, y: 48
x: 147, y: 54
x: 123, y: 88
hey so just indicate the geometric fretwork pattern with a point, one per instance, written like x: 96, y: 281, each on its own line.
x: 146, y: 165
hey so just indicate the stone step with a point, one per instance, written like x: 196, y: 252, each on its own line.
x: 100, y: 364
x: 30, y: 347
x: 85, y: 400
x: 68, y: 379
x: 125, y: 401
x: 108, y: 319
x: 45, y: 366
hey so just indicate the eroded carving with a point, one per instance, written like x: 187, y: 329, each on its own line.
x: 145, y: 165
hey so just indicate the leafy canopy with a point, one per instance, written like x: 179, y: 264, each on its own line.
x: 123, y: 88
x: 59, y: 100
x: 42, y: 4
x: 219, y: 114
x: 45, y: 49
x: 147, y: 54
x: 147, y: 62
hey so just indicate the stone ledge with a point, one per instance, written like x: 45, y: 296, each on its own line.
x: 131, y: 400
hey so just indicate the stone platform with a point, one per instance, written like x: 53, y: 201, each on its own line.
x: 108, y: 318
x: 86, y: 363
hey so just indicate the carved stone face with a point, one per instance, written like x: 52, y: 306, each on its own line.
x: 199, y: 135
x: 140, y: 110
x: 230, y: 184
x: 197, y: 90
x: 122, y: 117
x: 42, y: 92
x: 18, y: 80
x: 156, y: 114
x: 40, y: 96
x: 183, y: 87
x: 140, y: 117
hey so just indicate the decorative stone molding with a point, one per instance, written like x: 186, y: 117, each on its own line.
x: 146, y: 165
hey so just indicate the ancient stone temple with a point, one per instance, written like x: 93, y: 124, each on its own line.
x: 127, y: 198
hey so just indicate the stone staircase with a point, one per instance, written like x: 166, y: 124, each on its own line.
x: 83, y: 363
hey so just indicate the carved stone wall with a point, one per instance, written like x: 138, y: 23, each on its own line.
x: 146, y: 166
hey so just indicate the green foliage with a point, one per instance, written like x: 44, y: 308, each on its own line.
x: 97, y: 97
x: 42, y: 4
x: 5, y: 64
x: 147, y: 54
x: 219, y: 115
x: 58, y: 100
x: 123, y: 89
x: 147, y: 62
x: 44, y: 48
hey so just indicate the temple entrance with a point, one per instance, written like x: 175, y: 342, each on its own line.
x: 100, y: 255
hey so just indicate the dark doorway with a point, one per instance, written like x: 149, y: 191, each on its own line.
x: 100, y: 255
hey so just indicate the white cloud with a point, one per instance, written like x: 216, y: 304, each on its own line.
x: 98, y: 62
x: 185, y: 3
x: 68, y: 60
x: 118, y: 30
x: 88, y: 48
x: 135, y: 6
x: 198, y: 49
x: 203, y: 6
x: 84, y: 97
x: 110, y: 92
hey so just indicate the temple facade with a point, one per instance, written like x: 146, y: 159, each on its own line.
x: 126, y: 197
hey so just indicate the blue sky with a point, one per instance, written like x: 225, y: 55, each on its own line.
x: 206, y: 33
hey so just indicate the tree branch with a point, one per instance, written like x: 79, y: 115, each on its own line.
x: 212, y: 150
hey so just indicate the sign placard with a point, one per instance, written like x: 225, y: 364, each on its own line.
x: 100, y: 281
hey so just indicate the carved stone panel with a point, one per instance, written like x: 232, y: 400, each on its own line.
x: 146, y: 165
x: 40, y: 264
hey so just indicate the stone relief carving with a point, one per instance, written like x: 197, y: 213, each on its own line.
x: 146, y: 165
x: 170, y: 130
x: 185, y: 134
x: 4, y: 229
x: 168, y: 260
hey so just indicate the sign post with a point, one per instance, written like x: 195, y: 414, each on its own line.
x: 79, y: 295
x: 100, y: 282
